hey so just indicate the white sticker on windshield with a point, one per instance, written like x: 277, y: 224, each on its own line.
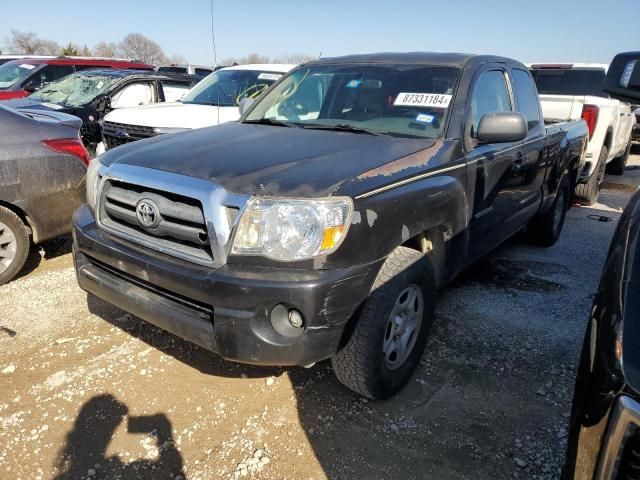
x: 433, y: 100
x: 269, y: 76
x: 27, y: 66
x: 100, y: 85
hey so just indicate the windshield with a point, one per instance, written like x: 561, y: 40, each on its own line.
x: 558, y: 81
x: 74, y: 90
x: 12, y: 73
x: 225, y: 88
x: 400, y: 100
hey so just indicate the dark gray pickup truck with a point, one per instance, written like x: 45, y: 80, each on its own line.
x: 323, y: 223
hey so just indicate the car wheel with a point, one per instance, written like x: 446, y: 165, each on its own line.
x: 391, y: 328
x: 14, y: 245
x: 544, y: 229
x: 588, y: 193
x: 617, y: 165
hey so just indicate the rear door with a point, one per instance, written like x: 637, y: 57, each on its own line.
x: 532, y: 166
x: 497, y: 166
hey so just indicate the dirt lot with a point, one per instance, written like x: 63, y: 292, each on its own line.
x: 87, y: 391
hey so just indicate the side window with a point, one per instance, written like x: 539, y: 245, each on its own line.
x: 51, y: 73
x: 490, y: 94
x: 91, y: 67
x: 526, y: 97
x: 174, y: 91
x: 133, y: 96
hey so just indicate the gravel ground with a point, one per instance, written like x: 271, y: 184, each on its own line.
x: 87, y: 391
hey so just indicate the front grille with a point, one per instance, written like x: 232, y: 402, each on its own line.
x: 116, y: 134
x: 629, y: 467
x: 178, y: 224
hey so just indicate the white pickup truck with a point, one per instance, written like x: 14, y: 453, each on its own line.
x: 573, y: 91
x: 211, y: 102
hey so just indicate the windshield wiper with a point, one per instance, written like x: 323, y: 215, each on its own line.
x: 273, y: 122
x: 343, y: 127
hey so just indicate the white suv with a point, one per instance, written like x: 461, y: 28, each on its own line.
x: 572, y: 91
x: 211, y: 102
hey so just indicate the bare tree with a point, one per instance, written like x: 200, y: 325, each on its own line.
x: 177, y: 59
x: 139, y: 47
x: 28, y: 43
x: 106, y: 49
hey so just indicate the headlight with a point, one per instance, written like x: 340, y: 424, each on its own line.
x: 163, y: 130
x: 292, y: 229
x: 92, y: 182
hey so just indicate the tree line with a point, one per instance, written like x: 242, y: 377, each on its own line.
x: 134, y: 45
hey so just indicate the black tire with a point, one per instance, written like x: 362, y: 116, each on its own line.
x: 588, y: 193
x: 14, y: 241
x: 544, y: 229
x: 360, y: 364
x: 618, y: 164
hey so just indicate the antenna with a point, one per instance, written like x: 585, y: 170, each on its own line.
x: 215, y: 63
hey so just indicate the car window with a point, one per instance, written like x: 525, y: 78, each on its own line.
x: 74, y: 90
x: 133, y: 96
x: 562, y: 81
x: 91, y: 67
x: 174, y: 91
x: 392, y: 99
x: 51, y: 73
x: 526, y: 97
x: 12, y: 73
x: 490, y: 94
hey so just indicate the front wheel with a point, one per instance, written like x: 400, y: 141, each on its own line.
x: 618, y: 164
x: 14, y: 245
x: 544, y: 229
x: 391, y: 329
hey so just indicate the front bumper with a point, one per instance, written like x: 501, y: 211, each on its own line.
x: 225, y: 310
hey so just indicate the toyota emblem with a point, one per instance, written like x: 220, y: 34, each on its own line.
x: 147, y: 214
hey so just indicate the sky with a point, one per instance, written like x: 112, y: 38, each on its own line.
x: 527, y: 30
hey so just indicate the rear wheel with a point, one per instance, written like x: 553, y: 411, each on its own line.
x: 588, y: 193
x: 544, y: 229
x: 618, y: 164
x: 391, y: 329
x: 14, y: 245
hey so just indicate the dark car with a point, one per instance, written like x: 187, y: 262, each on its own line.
x: 604, y: 431
x: 19, y: 78
x: 322, y: 224
x: 42, y: 168
x: 91, y: 94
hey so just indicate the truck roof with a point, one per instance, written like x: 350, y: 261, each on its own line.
x: 422, y: 58
x: 272, y: 67
x: 569, y: 66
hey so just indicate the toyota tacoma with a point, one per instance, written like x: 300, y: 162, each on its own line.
x: 322, y: 224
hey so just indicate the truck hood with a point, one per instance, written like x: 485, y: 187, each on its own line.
x: 267, y: 160
x: 174, y: 115
x: 28, y: 103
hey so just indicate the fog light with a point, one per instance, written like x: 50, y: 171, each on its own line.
x: 295, y: 318
x: 287, y: 322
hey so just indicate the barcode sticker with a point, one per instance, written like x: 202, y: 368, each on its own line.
x: 269, y: 76
x: 433, y: 100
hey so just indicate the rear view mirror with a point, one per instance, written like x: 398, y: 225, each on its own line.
x: 502, y: 127
x: 245, y: 104
x: 32, y: 85
x: 623, y: 77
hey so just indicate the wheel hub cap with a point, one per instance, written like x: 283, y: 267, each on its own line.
x: 7, y: 247
x: 403, y: 327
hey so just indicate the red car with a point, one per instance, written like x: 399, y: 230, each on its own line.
x: 19, y: 78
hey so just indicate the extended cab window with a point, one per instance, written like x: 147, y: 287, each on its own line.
x: 526, y: 97
x: 567, y: 81
x: 490, y: 94
x: 133, y: 95
x: 399, y: 100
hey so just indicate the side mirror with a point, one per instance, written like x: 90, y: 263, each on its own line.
x: 245, y: 104
x: 502, y: 127
x: 103, y: 104
x: 623, y: 77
